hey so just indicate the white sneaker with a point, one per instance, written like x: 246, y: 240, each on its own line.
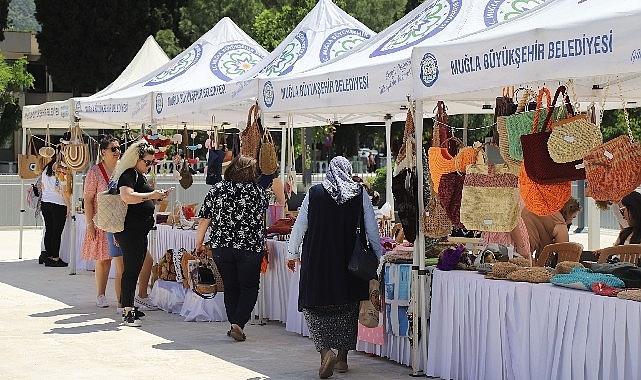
x: 120, y: 310
x: 144, y: 304
x: 101, y: 301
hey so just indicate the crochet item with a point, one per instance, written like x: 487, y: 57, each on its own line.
x: 583, y: 278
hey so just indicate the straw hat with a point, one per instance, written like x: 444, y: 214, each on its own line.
x: 566, y: 266
x: 535, y: 275
x: 500, y: 270
x: 634, y: 295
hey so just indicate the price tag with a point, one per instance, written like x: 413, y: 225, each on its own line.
x: 608, y: 154
x: 569, y: 139
x: 487, y: 222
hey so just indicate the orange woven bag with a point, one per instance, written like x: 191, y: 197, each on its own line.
x: 543, y: 199
x: 440, y: 162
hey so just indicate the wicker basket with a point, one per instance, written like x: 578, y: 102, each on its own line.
x: 500, y: 270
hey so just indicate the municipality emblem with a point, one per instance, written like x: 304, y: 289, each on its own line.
x: 183, y: 63
x: 341, y: 42
x: 268, y: 94
x: 429, y: 70
x: 285, y: 62
x: 159, y: 104
x: 234, y: 60
x: 498, y: 11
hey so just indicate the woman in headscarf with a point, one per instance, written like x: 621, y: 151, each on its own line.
x: 329, y: 294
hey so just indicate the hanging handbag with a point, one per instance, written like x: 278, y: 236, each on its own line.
x: 186, y: 178
x: 369, y: 310
x: 504, y: 106
x: 405, y: 159
x: 364, y: 262
x: 251, y: 136
x: 267, y: 158
x: 28, y: 163
x: 215, y: 159
x: 490, y: 198
x: 522, y: 123
x: 291, y: 185
x: 444, y: 133
x: 572, y: 138
x: 539, y: 165
x: 435, y: 221
x: 543, y: 199
x: 451, y: 192
x: 76, y: 153
x: 47, y: 151
x: 504, y: 142
x: 613, y: 169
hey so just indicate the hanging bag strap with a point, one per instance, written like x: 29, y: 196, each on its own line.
x: 539, y: 104
x: 104, y: 173
x: 547, y: 125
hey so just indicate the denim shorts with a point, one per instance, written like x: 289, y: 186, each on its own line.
x: 113, y: 250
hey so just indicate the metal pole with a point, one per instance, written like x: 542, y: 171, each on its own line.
x: 389, y: 197
x: 418, y: 262
x: 22, y: 209
x: 72, y: 225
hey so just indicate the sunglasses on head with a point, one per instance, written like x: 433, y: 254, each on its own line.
x: 114, y: 149
x: 622, y: 210
x: 147, y: 162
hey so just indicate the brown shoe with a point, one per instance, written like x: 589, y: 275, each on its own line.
x: 237, y: 333
x: 341, y: 367
x: 327, y: 365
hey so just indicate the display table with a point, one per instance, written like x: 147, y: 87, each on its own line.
x: 168, y: 237
x: 494, y: 329
x: 65, y: 245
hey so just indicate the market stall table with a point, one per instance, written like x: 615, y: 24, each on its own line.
x: 496, y: 329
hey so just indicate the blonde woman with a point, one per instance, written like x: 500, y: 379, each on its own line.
x: 138, y: 194
x: 95, y: 245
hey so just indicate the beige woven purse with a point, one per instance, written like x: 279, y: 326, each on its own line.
x: 267, y: 158
x: 76, y: 153
x: 111, y: 212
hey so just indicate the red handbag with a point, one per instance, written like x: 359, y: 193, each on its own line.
x: 450, y: 194
x: 540, y: 167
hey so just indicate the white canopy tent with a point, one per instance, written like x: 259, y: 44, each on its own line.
x: 58, y: 114
x: 223, y: 53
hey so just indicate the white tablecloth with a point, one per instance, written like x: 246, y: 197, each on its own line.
x: 65, y: 245
x: 173, y: 238
x: 493, y: 329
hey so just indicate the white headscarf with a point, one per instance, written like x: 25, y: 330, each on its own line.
x: 338, y: 181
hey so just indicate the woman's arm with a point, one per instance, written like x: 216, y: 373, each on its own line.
x: 371, y: 227
x: 203, y: 224
x: 130, y: 197
x: 89, y: 214
x: 279, y: 191
x: 298, y: 231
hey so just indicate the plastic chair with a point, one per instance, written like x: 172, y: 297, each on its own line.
x: 565, y: 252
x: 630, y: 253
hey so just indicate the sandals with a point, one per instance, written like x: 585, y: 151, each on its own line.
x: 327, y: 365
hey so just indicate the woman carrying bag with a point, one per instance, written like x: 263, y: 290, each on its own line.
x: 329, y: 295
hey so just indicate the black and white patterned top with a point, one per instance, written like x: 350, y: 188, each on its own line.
x: 236, y: 211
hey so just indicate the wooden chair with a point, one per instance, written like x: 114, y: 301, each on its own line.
x: 630, y: 253
x: 565, y: 252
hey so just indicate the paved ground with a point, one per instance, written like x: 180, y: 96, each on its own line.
x: 50, y: 328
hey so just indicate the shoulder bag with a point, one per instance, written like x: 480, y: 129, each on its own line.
x: 250, y: 136
x: 47, y: 151
x: 76, y: 153
x: 490, y: 198
x: 543, y: 199
x: 363, y: 262
x: 112, y: 210
x: 613, y: 169
x: 28, y: 163
x: 186, y: 178
x: 267, y: 158
x: 536, y: 157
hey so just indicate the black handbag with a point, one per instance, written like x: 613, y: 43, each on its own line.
x: 364, y: 261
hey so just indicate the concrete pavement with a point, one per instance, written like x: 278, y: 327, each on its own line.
x: 50, y: 328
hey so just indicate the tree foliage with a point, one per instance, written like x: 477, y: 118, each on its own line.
x: 21, y: 16
x: 4, y: 13
x: 87, y: 44
x: 14, y: 78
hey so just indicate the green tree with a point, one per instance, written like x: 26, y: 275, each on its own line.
x: 201, y: 15
x: 614, y: 124
x: 411, y: 5
x: 377, y: 15
x: 14, y: 79
x: 87, y: 44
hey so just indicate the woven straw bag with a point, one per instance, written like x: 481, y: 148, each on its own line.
x: 536, y: 158
x: 521, y: 123
x: 465, y: 156
x: 267, y: 159
x: 633, y: 295
x: 451, y: 192
x: 572, y: 138
x: 47, y: 151
x: 543, y: 199
x: 501, y: 270
x: 111, y: 212
x: 28, y: 163
x: 250, y: 137
x: 435, y: 221
x: 565, y: 267
x: 440, y: 162
x: 76, y: 153
x: 490, y: 198
x: 535, y: 275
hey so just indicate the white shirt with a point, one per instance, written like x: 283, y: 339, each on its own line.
x: 51, y: 192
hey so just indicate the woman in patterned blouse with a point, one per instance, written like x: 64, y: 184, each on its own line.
x: 235, y: 207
